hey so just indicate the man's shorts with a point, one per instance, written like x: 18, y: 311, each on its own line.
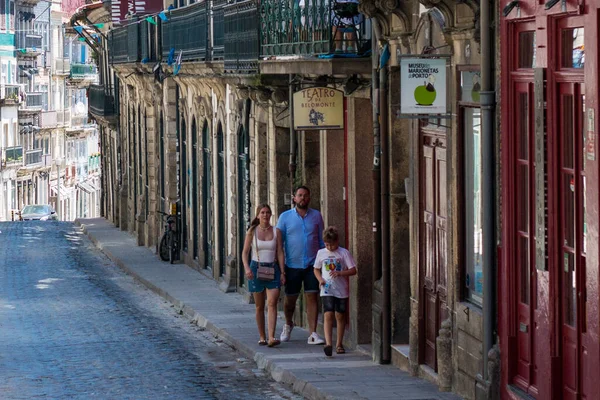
x: 295, y: 277
x: 332, y: 303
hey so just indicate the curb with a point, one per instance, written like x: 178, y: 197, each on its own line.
x: 277, y: 373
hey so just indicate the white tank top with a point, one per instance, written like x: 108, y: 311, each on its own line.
x: 266, y: 248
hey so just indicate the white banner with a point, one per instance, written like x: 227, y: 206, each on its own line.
x: 423, y: 86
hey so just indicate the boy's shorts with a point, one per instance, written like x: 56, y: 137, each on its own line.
x: 332, y: 303
x: 295, y: 277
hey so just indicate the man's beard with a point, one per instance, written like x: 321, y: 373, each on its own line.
x: 302, y: 207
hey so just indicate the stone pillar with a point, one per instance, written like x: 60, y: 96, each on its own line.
x: 444, y: 356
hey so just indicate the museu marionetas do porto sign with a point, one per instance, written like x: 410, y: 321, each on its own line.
x: 423, y: 86
x: 318, y: 108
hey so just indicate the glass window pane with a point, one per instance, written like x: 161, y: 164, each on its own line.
x: 573, y: 51
x: 522, y: 206
x: 523, y: 126
x: 470, y: 86
x: 527, y: 49
x: 567, y: 130
x: 568, y: 210
x: 473, y: 232
x: 569, y: 290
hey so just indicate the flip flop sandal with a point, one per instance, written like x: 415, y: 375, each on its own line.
x: 340, y: 350
x: 274, y: 342
x: 328, y: 350
x: 262, y: 342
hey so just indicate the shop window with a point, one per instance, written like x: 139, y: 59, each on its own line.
x: 572, y: 49
x: 527, y: 49
x: 470, y: 122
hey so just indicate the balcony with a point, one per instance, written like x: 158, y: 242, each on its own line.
x: 318, y: 28
x: 123, y: 45
x: 9, y: 95
x: 62, y: 66
x: 30, y: 45
x: 186, y: 30
x: 241, y: 37
x: 82, y: 73
x: 149, y: 48
x: 100, y: 103
x: 33, y: 157
x: 13, y: 156
x: 48, y: 120
x: 33, y: 103
x: 78, y: 121
x: 63, y: 117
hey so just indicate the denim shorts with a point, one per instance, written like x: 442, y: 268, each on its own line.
x: 332, y: 303
x: 256, y: 285
x: 295, y: 277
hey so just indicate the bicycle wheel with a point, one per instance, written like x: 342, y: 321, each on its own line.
x: 163, y: 248
x: 172, y: 247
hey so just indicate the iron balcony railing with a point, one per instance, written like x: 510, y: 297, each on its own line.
x: 83, y: 71
x: 13, y: 155
x: 241, y: 37
x: 312, y: 27
x: 186, y: 31
x: 33, y: 157
x: 100, y: 103
x: 218, y: 42
x: 124, y: 45
x: 148, y: 42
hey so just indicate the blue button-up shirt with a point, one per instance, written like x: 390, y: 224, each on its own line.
x: 302, y: 237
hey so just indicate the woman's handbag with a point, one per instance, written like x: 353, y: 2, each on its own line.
x: 265, y: 271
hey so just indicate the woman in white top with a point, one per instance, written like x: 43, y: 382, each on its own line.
x: 261, y: 239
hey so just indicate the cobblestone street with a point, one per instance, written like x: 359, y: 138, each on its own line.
x: 74, y: 326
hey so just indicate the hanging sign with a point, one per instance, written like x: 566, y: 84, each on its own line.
x: 318, y: 108
x: 423, y: 86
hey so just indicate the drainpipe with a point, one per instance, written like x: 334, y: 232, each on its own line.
x: 385, y: 220
x: 293, y: 140
x: 488, y: 185
x: 381, y: 225
x: 376, y: 156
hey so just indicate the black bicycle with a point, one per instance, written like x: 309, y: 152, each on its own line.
x: 168, y: 248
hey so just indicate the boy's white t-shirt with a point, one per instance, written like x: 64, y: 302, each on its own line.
x: 340, y: 260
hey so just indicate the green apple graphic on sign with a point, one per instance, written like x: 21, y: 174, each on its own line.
x: 425, y: 95
x: 476, y: 89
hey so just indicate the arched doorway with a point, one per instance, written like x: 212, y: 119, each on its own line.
x: 243, y: 181
x: 221, y: 196
x: 194, y: 190
x: 207, y: 232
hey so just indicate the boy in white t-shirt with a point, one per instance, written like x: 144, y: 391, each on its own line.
x: 333, y: 266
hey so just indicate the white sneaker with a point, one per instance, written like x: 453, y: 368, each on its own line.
x: 314, y: 338
x: 285, y: 334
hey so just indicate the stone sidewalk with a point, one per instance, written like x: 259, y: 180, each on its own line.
x: 312, y: 374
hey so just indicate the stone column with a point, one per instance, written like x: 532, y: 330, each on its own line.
x: 444, y: 356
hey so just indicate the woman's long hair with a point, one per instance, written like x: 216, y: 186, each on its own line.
x: 256, y: 221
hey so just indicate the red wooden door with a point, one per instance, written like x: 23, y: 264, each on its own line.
x: 524, y: 200
x: 569, y: 187
x: 433, y: 268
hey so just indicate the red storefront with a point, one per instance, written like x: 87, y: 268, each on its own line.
x: 548, y: 274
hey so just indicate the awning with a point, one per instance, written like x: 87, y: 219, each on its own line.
x: 64, y: 192
x: 86, y: 187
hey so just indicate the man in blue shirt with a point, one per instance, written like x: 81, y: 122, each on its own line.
x: 300, y: 232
